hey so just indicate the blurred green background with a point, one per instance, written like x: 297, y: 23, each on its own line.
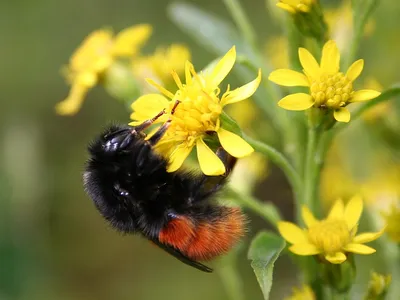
x: 53, y: 243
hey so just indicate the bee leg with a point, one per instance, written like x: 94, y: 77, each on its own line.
x: 228, y: 160
x: 214, y: 182
x: 161, y: 131
x: 149, y: 122
x: 143, y: 155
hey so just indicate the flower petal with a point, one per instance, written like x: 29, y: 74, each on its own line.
x: 308, y: 217
x: 336, y: 258
x: 342, y: 115
x: 130, y: 39
x: 364, y: 95
x: 243, y: 92
x: 223, y: 67
x: 288, y: 77
x: 355, y: 70
x: 71, y: 105
x: 299, y: 101
x: 234, y: 144
x: 330, y: 59
x: 337, y: 210
x: 210, y: 164
x: 292, y: 233
x: 310, y: 65
x: 353, y: 210
x: 148, y: 106
x: 188, y: 74
x: 177, y: 157
x: 286, y: 7
x: 368, y: 236
x: 159, y: 87
x: 359, y: 249
x: 304, y: 249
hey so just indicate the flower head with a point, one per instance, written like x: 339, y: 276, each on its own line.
x: 94, y: 56
x: 378, y: 286
x: 328, y: 87
x: 303, y: 293
x: 392, y: 218
x: 197, y: 116
x: 159, y: 65
x: 295, y: 6
x: 331, y: 238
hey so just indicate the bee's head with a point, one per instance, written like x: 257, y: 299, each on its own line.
x: 114, y: 140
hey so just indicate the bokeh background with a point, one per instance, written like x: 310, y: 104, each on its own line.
x: 53, y: 243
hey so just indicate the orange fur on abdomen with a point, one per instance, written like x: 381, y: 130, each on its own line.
x: 207, y: 239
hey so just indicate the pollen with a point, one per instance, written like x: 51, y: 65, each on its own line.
x: 330, y: 236
x: 332, y: 91
x: 197, y: 113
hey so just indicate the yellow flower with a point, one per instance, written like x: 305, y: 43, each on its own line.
x: 378, y: 286
x: 392, y: 218
x: 304, y: 293
x: 94, y: 56
x: 197, y: 116
x: 295, y: 6
x: 159, y: 65
x: 328, y: 88
x: 333, y: 237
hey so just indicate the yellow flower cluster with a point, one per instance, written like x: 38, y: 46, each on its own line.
x: 197, y: 116
x: 295, y: 6
x: 96, y: 53
x: 331, y: 238
x: 303, y: 293
x: 97, y: 57
x: 328, y: 87
x: 159, y: 65
x: 392, y: 219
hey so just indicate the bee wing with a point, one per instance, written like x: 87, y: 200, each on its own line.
x: 178, y: 255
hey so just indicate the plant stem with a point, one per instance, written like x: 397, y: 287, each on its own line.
x: 310, y: 172
x: 280, y: 160
x: 265, y: 210
x: 230, y: 275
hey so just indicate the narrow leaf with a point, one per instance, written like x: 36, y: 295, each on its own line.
x: 206, y: 29
x: 264, y: 251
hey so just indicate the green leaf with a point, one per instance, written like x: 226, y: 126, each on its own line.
x: 230, y: 124
x: 206, y: 29
x: 264, y: 251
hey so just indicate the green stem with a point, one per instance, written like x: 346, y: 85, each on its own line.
x: 265, y: 210
x: 280, y: 160
x: 339, y: 296
x: 361, y: 13
x: 241, y: 21
x: 230, y: 275
x: 311, y: 172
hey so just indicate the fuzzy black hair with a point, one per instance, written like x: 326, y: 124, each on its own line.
x: 131, y: 188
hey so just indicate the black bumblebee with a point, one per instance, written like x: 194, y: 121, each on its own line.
x: 132, y: 190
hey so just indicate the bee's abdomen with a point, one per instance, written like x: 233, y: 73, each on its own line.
x: 205, y: 239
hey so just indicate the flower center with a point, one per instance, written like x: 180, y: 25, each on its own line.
x: 329, y: 235
x: 332, y: 91
x: 197, y: 113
